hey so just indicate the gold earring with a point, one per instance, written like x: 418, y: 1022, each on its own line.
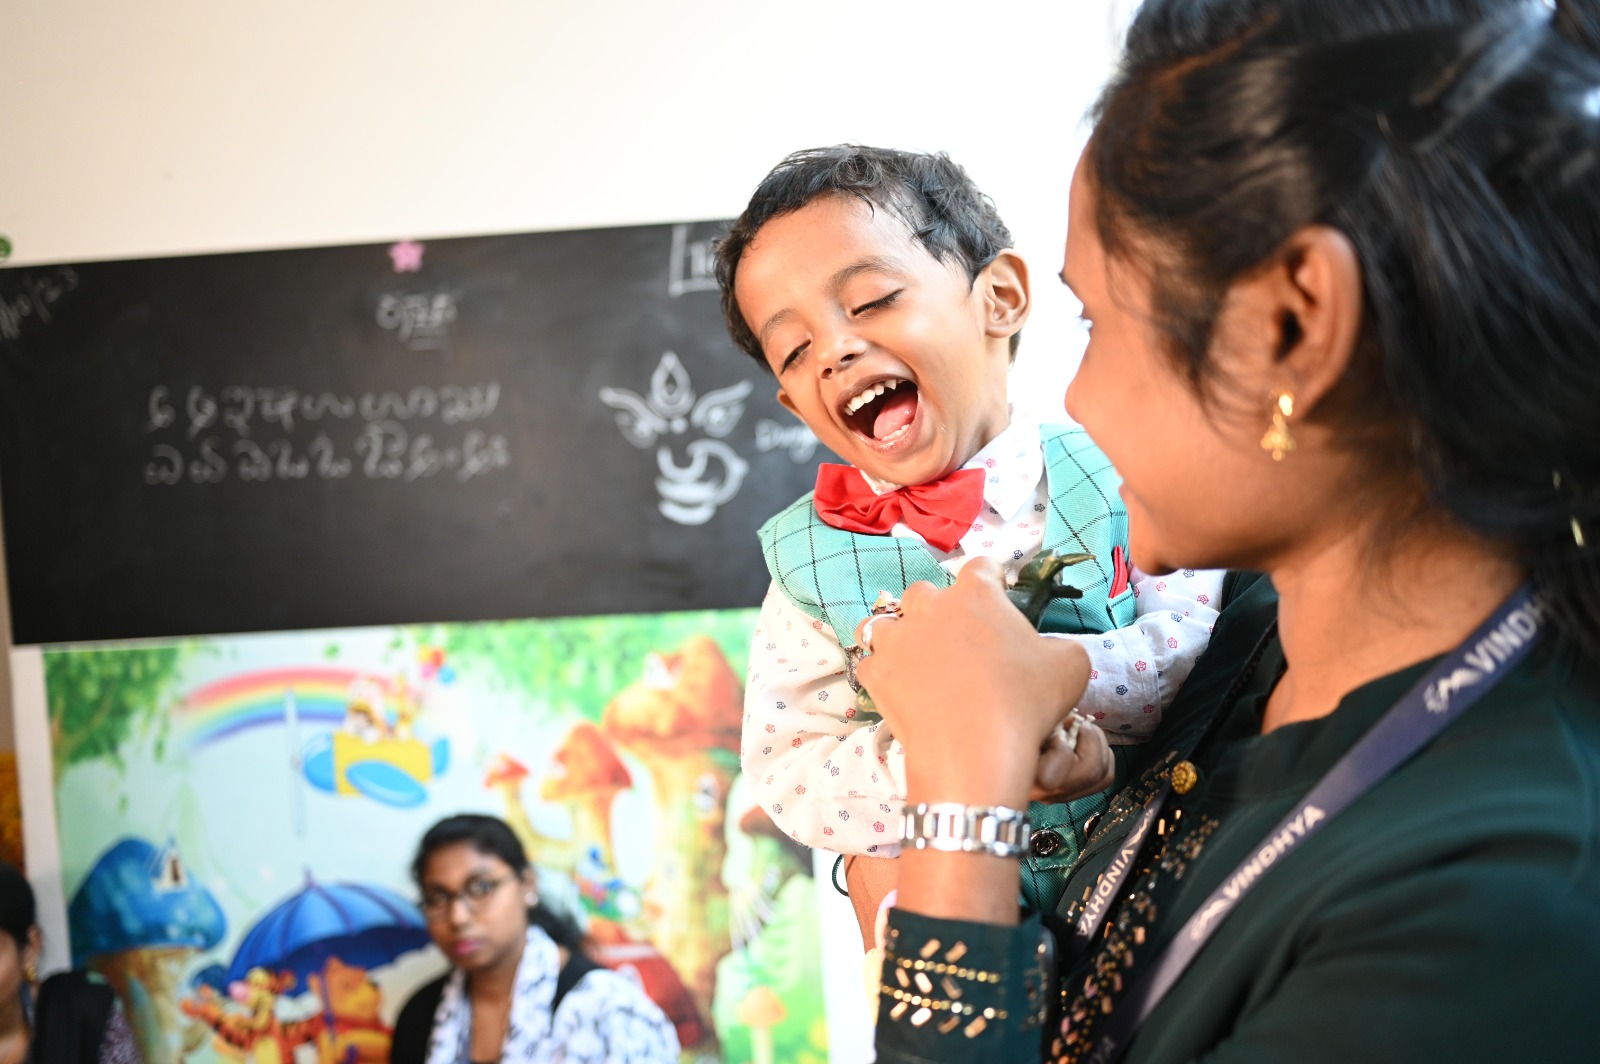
x: 1277, y: 440
x: 30, y: 974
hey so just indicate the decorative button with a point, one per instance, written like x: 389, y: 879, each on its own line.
x: 1045, y: 842
x: 1184, y: 777
x: 1090, y: 824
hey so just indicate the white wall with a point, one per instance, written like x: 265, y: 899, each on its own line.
x: 178, y: 126
x: 181, y: 126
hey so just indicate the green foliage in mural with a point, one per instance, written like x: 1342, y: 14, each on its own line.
x: 98, y: 698
x: 769, y: 1003
x: 576, y: 665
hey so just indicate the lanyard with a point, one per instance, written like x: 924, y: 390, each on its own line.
x: 1458, y: 680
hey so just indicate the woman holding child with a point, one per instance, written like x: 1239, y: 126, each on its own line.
x: 1339, y: 259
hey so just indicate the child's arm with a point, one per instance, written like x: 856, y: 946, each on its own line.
x: 828, y: 773
x: 1136, y: 671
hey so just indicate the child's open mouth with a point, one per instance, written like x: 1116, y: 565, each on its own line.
x: 883, y: 410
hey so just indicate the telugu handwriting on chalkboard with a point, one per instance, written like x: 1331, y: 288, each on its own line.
x: 506, y: 425
x: 40, y: 292
x: 249, y: 433
x: 421, y: 320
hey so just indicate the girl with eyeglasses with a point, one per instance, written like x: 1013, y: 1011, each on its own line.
x: 520, y: 988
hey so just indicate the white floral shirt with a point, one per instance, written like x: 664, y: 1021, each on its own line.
x: 831, y: 776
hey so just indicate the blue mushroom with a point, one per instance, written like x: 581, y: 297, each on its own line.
x: 139, y: 897
x: 138, y: 919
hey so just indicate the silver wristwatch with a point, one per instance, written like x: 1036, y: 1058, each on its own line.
x: 991, y: 829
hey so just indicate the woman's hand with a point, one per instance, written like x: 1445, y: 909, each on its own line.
x: 971, y: 690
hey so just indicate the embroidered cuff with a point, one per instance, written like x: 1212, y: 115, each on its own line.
x: 951, y: 982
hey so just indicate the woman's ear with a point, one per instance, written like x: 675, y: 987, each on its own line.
x: 33, y: 949
x: 1294, y: 323
x: 1005, y: 291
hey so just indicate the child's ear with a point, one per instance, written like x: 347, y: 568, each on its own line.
x: 1005, y: 291
x: 787, y: 403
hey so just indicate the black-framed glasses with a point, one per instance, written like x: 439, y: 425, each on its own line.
x: 474, y: 894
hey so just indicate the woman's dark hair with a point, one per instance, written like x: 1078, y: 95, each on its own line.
x: 493, y: 837
x: 1455, y: 144
x: 17, y: 910
x: 930, y: 194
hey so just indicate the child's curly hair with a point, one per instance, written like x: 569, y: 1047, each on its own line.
x: 932, y: 195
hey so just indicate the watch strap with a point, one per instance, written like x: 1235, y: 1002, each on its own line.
x: 950, y: 826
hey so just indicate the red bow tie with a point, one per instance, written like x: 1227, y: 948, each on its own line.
x: 940, y: 511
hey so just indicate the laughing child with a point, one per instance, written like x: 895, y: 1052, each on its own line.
x: 881, y: 290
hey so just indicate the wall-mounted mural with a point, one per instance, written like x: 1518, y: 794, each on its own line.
x: 238, y: 814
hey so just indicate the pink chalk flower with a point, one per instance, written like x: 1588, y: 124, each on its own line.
x: 406, y: 256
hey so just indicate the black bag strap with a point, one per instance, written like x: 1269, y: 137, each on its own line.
x: 576, y: 968
x: 70, y: 1021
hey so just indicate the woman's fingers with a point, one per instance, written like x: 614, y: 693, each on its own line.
x: 959, y: 664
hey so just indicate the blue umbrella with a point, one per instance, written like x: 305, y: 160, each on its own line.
x: 362, y: 925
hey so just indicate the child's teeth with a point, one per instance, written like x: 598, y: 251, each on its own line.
x: 870, y: 393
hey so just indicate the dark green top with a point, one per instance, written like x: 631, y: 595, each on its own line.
x: 1451, y: 914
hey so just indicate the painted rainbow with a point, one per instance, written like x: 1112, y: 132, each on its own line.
x: 258, y: 699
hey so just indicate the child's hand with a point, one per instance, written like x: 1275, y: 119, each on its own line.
x: 1071, y: 768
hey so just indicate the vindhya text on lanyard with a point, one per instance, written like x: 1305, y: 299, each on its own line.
x: 1458, y: 680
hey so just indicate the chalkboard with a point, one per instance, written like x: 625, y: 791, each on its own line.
x: 468, y: 429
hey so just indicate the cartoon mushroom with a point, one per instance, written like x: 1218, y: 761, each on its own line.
x: 681, y: 719
x: 505, y: 775
x: 586, y: 777
x: 138, y: 919
x: 761, y: 1011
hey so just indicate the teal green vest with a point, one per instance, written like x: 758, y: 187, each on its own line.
x: 834, y: 575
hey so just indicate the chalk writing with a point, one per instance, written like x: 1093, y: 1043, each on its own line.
x: 692, y: 267
x: 40, y: 292
x: 243, y: 432
x: 383, y: 450
x: 239, y: 407
x: 798, y: 440
x: 421, y: 320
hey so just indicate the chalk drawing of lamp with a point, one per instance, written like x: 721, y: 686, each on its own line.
x: 690, y: 492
